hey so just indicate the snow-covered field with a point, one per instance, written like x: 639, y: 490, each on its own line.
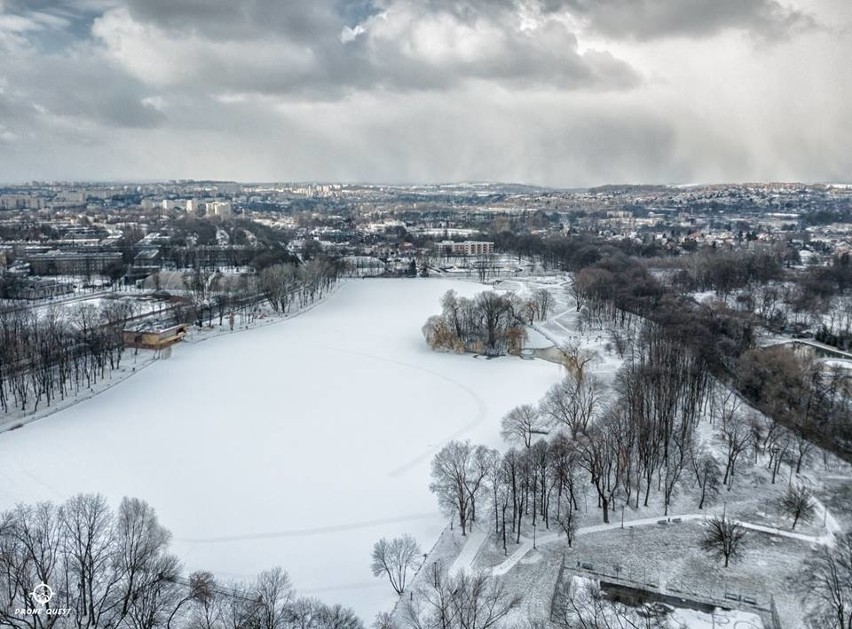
x: 297, y: 444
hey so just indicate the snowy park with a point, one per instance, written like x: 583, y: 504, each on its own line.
x: 297, y: 444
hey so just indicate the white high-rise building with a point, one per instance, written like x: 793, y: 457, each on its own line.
x: 219, y: 208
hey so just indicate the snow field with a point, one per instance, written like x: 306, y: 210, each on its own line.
x: 297, y: 444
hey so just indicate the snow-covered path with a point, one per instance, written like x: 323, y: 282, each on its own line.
x: 673, y: 520
x: 475, y: 539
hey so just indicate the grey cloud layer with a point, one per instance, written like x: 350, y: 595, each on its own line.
x: 649, y: 19
x: 395, y: 44
x: 406, y: 90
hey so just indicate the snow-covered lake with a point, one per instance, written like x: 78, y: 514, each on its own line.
x: 297, y: 444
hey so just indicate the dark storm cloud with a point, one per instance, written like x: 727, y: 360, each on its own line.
x: 650, y: 19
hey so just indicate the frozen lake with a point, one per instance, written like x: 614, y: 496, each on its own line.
x: 298, y: 444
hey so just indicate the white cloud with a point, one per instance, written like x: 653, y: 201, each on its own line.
x: 434, y: 90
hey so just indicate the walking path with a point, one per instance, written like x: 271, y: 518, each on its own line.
x: 476, y: 540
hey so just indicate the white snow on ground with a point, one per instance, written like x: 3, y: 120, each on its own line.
x: 475, y: 539
x: 297, y: 444
x: 719, y: 618
x: 548, y: 538
x: 536, y: 340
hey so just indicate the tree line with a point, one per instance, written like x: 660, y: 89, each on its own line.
x: 617, y: 295
x: 643, y: 441
x: 113, y: 569
x: 286, y: 285
x: 45, y: 356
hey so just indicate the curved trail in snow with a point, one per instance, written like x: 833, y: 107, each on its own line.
x: 481, y: 413
x: 320, y: 530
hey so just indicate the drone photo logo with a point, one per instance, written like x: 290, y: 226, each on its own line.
x: 42, y: 594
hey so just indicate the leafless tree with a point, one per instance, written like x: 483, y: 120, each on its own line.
x: 707, y: 474
x: 521, y: 424
x: 778, y: 441
x: 274, y: 594
x: 564, y: 457
x: 826, y: 585
x: 202, y: 589
x: 736, y: 433
x: 395, y: 558
x: 383, y: 620
x: 574, y: 402
x: 311, y: 613
x: 723, y: 538
x: 142, y: 558
x: 798, y: 503
x: 89, y: 545
x: 568, y: 523
x: 462, y: 601
x: 575, y: 359
x: 30, y: 554
x: 544, y: 302
x: 600, y: 455
x: 456, y: 479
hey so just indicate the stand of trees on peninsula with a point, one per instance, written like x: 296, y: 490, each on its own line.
x: 490, y: 323
x: 112, y: 568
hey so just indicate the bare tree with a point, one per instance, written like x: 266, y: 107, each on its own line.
x: 311, y: 613
x: 543, y: 300
x: 798, y: 503
x: 600, y: 454
x: 89, y: 545
x: 574, y: 402
x: 521, y: 424
x: 383, y: 620
x: 30, y: 554
x: 707, y: 474
x: 575, y: 359
x: 456, y: 480
x: 723, y: 538
x: 273, y: 593
x: 395, y: 558
x: 737, y: 434
x: 568, y: 523
x: 826, y: 585
x: 463, y: 601
x: 143, y: 560
x: 778, y: 445
x: 202, y: 587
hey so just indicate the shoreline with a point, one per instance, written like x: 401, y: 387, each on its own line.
x: 16, y: 420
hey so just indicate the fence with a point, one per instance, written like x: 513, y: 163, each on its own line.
x: 620, y: 585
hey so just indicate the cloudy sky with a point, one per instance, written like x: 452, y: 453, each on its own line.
x: 555, y: 92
